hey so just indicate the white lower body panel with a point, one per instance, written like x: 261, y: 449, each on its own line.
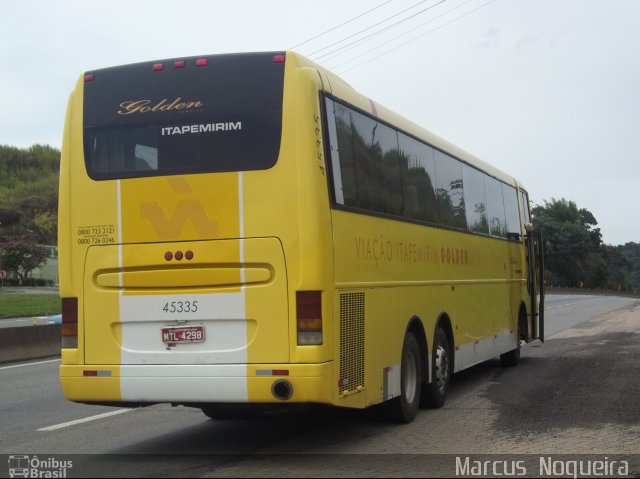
x: 189, y: 383
x: 476, y: 352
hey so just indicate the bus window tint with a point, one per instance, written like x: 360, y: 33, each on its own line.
x: 345, y: 152
x: 450, y: 189
x: 375, y: 148
x: 381, y: 170
x: 495, y: 205
x: 474, y: 200
x: 526, y: 218
x: 123, y: 150
x: 510, y: 196
x: 417, y: 162
x: 138, y: 122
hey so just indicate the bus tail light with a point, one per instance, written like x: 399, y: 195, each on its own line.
x: 309, y: 317
x: 69, y: 322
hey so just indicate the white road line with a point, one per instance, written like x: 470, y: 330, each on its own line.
x: 564, y: 305
x: 29, y: 364
x: 86, y: 419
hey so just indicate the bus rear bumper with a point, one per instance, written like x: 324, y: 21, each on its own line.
x: 230, y: 383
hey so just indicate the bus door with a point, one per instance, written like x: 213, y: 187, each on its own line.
x: 535, y: 283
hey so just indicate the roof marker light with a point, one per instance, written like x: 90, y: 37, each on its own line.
x: 179, y: 64
x: 89, y: 77
x: 200, y: 62
x: 278, y: 58
x: 157, y: 67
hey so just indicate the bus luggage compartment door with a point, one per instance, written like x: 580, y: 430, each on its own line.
x: 209, y: 302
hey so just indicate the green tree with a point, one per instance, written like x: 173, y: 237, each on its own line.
x: 29, y: 192
x: 631, y: 253
x: 574, y: 251
x: 22, y: 254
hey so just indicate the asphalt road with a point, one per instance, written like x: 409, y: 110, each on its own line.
x: 576, y: 394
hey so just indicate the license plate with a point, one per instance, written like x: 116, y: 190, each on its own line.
x: 183, y: 334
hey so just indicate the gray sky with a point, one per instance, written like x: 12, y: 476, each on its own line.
x: 546, y: 90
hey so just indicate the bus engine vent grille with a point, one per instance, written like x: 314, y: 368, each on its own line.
x: 351, y: 342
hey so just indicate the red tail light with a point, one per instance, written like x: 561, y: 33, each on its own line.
x: 69, y: 317
x: 309, y: 317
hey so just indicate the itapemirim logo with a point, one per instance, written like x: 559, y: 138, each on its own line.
x: 33, y: 466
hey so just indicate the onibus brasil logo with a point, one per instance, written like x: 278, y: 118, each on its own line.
x: 32, y: 466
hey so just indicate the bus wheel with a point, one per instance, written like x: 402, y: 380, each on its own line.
x: 436, y: 390
x: 512, y: 358
x: 403, y: 409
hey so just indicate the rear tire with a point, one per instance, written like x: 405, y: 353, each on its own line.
x: 404, y: 408
x: 435, y: 393
x: 512, y: 358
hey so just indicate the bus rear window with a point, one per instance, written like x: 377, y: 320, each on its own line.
x: 225, y: 115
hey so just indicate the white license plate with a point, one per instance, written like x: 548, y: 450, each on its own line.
x: 183, y: 334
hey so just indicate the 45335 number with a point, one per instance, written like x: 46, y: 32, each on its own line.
x: 180, y: 307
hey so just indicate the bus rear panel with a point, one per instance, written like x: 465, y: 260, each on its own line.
x: 180, y: 277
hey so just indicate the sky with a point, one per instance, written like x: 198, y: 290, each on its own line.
x: 546, y: 90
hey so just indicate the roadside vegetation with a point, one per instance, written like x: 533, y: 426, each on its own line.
x: 575, y: 255
x: 13, y: 305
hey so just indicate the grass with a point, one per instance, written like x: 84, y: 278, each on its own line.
x: 27, y: 305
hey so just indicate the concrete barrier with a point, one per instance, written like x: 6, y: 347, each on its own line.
x: 30, y: 342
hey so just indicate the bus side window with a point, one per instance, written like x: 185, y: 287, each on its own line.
x: 495, y: 207
x: 510, y: 195
x: 450, y: 189
x: 418, y: 174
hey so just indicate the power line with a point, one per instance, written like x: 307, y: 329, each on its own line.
x: 379, y: 31
x: 368, y: 28
x: 338, y: 26
x: 398, y: 36
x: 418, y: 37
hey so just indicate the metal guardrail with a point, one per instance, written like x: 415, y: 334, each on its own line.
x: 602, y: 292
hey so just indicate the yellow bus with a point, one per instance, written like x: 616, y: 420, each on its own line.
x: 246, y: 230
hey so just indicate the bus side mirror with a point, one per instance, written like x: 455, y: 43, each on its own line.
x: 528, y: 226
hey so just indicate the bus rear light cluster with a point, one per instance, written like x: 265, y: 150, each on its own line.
x: 309, y: 317
x: 200, y: 62
x: 69, y: 322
